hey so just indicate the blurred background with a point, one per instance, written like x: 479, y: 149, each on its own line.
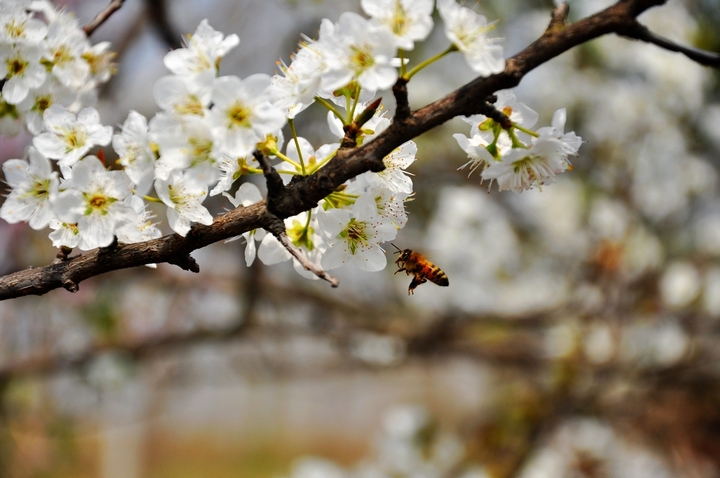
x: 579, y: 337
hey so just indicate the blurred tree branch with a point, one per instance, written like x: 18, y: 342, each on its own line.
x: 640, y: 32
x: 101, y: 17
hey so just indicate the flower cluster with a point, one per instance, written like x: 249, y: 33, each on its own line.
x: 45, y: 62
x: 202, y: 140
x: 508, y: 157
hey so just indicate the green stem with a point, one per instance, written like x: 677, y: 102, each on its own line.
x: 323, y: 162
x: 430, y: 61
x: 327, y: 104
x: 340, y: 194
x: 291, y: 123
x: 286, y: 171
x: 152, y: 199
x: 401, y: 54
x: 340, y: 199
x: 525, y: 130
x: 348, y: 107
x: 288, y: 160
x: 516, y: 143
x: 351, y: 116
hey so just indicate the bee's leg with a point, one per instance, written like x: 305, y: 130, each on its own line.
x: 415, y: 282
x: 400, y: 270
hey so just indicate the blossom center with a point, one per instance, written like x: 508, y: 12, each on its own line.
x: 42, y: 103
x: 15, y: 29
x: 16, y: 66
x: 239, y: 116
x: 362, y: 57
x: 399, y: 24
x: 96, y: 202
x: 6, y: 109
x: 355, y: 234
x: 525, y: 167
x: 202, y: 61
x: 200, y: 150
x: 191, y: 106
x: 75, y: 139
x: 41, y: 188
x: 62, y: 55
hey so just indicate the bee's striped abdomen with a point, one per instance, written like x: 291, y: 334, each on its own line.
x: 435, y: 274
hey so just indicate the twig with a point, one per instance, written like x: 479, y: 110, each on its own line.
x: 498, y: 116
x: 402, y: 106
x: 640, y: 32
x: 277, y: 228
x: 559, y: 16
x: 158, y: 15
x: 354, y: 129
x: 273, y: 180
x: 100, y: 18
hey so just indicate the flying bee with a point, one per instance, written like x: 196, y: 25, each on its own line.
x: 415, y: 264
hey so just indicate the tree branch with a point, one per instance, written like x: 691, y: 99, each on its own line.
x: 100, y: 18
x: 489, y: 110
x: 402, y: 107
x: 304, y: 193
x: 640, y: 32
x: 173, y: 249
x: 273, y: 180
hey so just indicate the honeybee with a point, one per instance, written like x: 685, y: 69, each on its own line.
x: 414, y: 263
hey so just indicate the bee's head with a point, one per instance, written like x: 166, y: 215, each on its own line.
x: 405, y: 255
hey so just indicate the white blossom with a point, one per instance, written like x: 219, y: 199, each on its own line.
x: 202, y: 54
x: 135, y: 153
x: 64, y: 234
x: 94, y: 199
x: 242, y: 114
x: 142, y: 229
x: 183, y: 195
x: 40, y: 99
x: 468, y: 32
x: 570, y: 141
x: 34, y: 185
x: 408, y: 20
x: 66, y: 44
x: 295, y: 89
x: 521, y: 168
x: 18, y: 26
x: 100, y: 60
x: 390, y: 205
x: 178, y: 96
x: 231, y: 168
x: 187, y: 144
x: 355, y: 235
x: 23, y: 70
x: 68, y: 138
x: 476, y: 149
x: 394, y: 177
x: 361, y: 51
